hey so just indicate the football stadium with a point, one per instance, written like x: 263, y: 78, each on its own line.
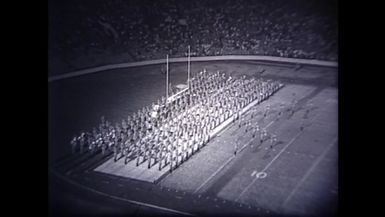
x: 193, y: 108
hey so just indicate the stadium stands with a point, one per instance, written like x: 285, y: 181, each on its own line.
x: 170, y: 132
x: 142, y: 30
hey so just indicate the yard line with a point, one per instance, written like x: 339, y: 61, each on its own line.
x: 212, y: 175
x: 219, y: 169
x: 308, y: 173
x: 231, y: 158
x: 282, y: 150
x: 269, y: 124
x: 268, y: 165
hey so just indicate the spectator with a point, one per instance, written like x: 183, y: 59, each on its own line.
x: 220, y: 27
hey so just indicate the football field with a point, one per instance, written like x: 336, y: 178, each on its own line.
x: 296, y: 176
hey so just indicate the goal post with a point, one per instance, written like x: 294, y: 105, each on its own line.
x: 188, y: 68
x: 179, y: 93
x: 167, y: 78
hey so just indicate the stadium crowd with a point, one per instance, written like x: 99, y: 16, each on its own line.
x: 170, y: 131
x: 142, y: 30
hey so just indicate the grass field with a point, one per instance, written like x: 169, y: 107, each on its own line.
x: 298, y: 176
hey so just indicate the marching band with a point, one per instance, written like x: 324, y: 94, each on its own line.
x: 170, y: 132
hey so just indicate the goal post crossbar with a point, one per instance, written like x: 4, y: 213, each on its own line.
x: 176, y: 95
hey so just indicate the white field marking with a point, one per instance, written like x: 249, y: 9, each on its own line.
x: 212, y: 175
x: 261, y: 175
x: 268, y: 165
x: 308, y: 173
x: 253, y: 173
x: 220, y: 168
x: 205, y: 182
x: 122, y: 199
x: 265, y: 60
x: 224, y: 129
x: 283, y: 149
x: 269, y: 124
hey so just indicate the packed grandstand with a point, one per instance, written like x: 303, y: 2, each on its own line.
x: 100, y: 32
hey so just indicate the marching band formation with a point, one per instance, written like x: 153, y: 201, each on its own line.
x: 172, y: 130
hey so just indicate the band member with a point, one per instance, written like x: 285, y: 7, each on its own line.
x: 160, y: 156
x: 103, y: 146
x: 73, y: 144
x: 302, y: 127
x: 138, y: 153
x: 248, y: 125
x: 267, y: 111
x: 89, y: 140
x: 280, y: 111
x: 292, y: 108
x: 256, y: 131
x: 241, y: 122
x: 263, y: 136
x: 172, y: 158
x: 306, y: 115
x: 273, y: 141
x: 151, y: 155
x: 115, y: 150
x: 81, y: 139
x: 99, y: 141
x: 236, y: 146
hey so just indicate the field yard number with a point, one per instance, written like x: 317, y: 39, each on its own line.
x: 259, y: 175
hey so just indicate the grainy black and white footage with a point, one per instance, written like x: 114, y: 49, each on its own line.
x: 193, y: 108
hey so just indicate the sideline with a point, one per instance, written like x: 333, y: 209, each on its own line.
x: 194, y: 59
x: 119, y: 198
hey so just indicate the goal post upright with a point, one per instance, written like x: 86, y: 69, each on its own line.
x: 166, y: 78
x: 188, y: 68
x: 172, y: 97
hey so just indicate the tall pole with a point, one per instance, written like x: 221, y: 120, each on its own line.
x: 166, y: 78
x: 188, y: 68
